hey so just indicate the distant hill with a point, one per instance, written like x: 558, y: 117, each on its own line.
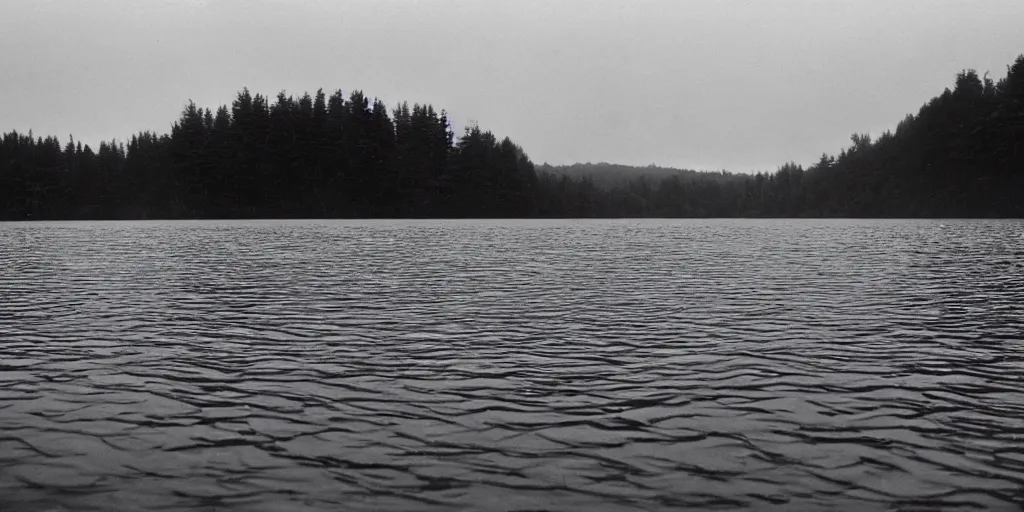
x: 610, y: 175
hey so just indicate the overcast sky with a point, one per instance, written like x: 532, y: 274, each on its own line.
x: 738, y: 85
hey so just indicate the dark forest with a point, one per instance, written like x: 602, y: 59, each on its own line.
x: 332, y: 156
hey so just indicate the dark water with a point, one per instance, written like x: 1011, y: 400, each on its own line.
x: 502, y: 365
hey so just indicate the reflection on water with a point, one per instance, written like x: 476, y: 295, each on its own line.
x: 512, y: 365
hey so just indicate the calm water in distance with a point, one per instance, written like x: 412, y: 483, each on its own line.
x: 512, y: 365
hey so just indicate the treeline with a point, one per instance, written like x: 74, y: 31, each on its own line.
x: 961, y: 155
x: 315, y: 156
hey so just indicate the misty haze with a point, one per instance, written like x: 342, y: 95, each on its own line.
x: 450, y: 255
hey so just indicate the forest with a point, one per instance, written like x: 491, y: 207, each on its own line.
x: 320, y: 156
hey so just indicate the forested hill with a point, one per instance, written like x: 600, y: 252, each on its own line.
x: 315, y: 156
x: 609, y: 175
x: 960, y: 155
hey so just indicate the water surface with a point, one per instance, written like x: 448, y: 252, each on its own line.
x: 512, y: 365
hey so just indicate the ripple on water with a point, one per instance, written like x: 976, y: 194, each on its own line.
x: 512, y: 365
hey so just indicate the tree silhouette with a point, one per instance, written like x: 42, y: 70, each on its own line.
x: 960, y: 155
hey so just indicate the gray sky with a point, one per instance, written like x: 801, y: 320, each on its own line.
x: 704, y: 84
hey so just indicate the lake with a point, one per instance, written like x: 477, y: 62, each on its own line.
x: 512, y: 365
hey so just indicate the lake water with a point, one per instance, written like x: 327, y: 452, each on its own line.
x: 512, y: 365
